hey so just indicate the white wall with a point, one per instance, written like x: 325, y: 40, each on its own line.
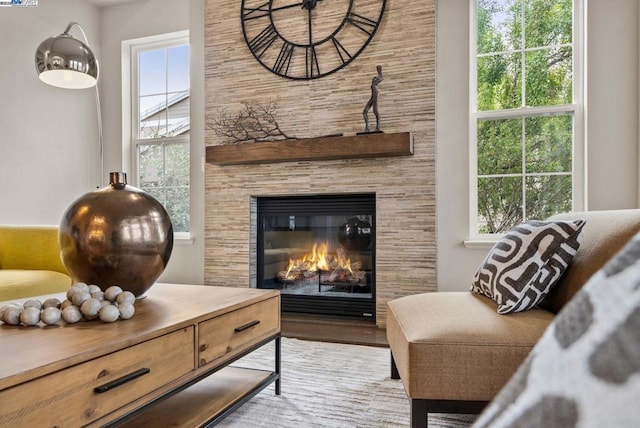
x: 189, y: 265
x: 612, y: 97
x: 48, y: 136
x: 455, y: 264
x: 612, y: 93
x: 144, y: 18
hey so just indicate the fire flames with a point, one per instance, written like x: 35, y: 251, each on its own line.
x: 332, y: 267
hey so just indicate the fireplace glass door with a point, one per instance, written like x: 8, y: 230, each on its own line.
x: 319, y: 251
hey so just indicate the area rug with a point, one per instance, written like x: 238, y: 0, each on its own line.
x: 330, y: 385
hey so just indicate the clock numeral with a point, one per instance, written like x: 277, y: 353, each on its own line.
x: 362, y: 22
x: 284, y: 59
x: 263, y: 41
x: 256, y: 12
x: 313, y: 68
x: 344, y: 54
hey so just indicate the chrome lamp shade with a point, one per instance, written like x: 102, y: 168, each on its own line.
x: 66, y: 62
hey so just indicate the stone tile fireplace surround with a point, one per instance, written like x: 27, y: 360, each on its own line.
x: 404, y: 185
x: 405, y: 204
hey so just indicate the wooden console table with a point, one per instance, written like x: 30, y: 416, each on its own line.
x: 179, y: 343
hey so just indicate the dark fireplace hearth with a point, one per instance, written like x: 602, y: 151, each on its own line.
x: 320, y: 252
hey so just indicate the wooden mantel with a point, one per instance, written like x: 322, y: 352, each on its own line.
x: 323, y: 148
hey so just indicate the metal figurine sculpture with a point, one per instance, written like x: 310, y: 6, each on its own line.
x: 373, y: 102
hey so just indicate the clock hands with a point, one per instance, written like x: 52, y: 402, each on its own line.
x: 305, y: 4
x: 265, y: 9
x: 309, y: 4
x: 289, y: 6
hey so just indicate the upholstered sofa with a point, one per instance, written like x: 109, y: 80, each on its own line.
x: 454, y: 352
x: 30, y: 262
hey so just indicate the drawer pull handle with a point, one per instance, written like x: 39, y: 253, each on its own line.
x: 121, y: 380
x: 246, y: 326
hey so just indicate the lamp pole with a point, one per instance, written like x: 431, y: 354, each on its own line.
x: 100, y: 139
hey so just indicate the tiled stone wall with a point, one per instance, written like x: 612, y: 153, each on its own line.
x: 404, y: 186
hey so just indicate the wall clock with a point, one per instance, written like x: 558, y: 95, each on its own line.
x: 309, y: 39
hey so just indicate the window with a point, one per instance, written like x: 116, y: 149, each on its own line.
x: 526, y: 117
x: 160, y: 123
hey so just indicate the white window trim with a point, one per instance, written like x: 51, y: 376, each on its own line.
x: 129, y: 49
x: 578, y: 108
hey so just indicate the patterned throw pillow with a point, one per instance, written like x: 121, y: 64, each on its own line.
x: 585, y: 370
x: 522, y: 267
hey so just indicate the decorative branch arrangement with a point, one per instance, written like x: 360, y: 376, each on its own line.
x: 253, y: 123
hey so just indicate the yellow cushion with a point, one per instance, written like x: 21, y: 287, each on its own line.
x: 30, y: 247
x: 454, y: 346
x: 17, y: 284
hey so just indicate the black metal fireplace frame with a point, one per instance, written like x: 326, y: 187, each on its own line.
x: 322, y: 204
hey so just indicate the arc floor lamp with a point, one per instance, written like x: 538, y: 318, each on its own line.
x: 66, y: 62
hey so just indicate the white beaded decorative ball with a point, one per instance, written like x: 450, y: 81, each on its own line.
x: 71, y: 314
x: 30, y: 316
x: 111, y: 293
x: 109, y: 313
x: 83, y: 301
x: 51, y: 315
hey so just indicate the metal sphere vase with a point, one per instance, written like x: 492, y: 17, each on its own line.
x: 116, y: 235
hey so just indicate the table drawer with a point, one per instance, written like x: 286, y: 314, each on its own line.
x: 83, y: 393
x: 236, y: 330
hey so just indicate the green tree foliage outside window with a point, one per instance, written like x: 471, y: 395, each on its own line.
x: 524, y: 58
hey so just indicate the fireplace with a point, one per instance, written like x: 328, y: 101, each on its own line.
x: 319, y: 251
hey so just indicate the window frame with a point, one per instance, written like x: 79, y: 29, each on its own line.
x: 131, y: 49
x: 577, y: 108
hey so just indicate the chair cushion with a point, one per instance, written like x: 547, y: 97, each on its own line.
x: 522, y: 267
x: 453, y: 346
x: 603, y: 235
x: 585, y: 371
x: 17, y: 284
x: 30, y: 247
